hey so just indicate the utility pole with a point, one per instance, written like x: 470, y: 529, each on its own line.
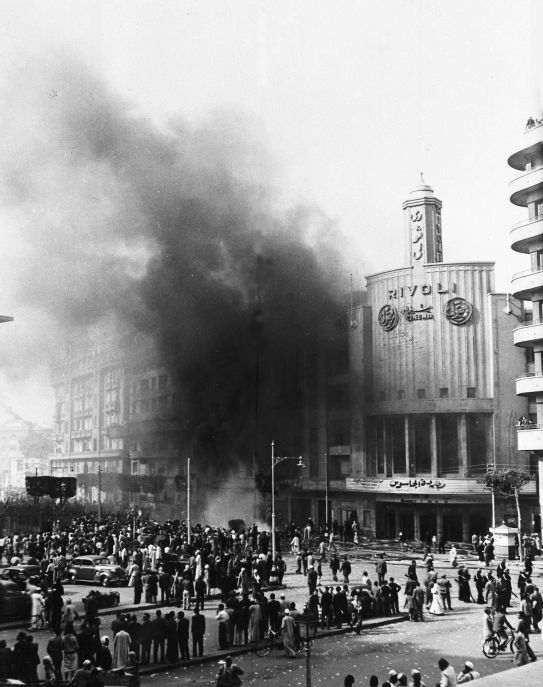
x: 326, y: 488
x: 188, y: 502
x: 99, y: 493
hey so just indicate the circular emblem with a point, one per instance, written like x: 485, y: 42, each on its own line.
x: 458, y: 311
x: 388, y: 317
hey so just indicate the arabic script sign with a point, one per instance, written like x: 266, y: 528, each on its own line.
x: 416, y: 486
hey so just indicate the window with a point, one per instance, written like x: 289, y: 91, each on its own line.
x: 444, y: 392
x: 366, y: 518
x: 383, y: 396
x: 144, y: 385
x: 421, y: 393
x: 401, y: 394
x: 471, y: 392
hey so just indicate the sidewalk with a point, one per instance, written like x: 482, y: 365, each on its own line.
x: 218, y: 654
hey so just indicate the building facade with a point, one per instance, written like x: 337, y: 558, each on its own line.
x: 426, y: 400
x: 526, y: 189
x: 116, y: 428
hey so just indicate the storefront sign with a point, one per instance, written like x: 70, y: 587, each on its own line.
x: 419, y: 290
x: 420, y: 486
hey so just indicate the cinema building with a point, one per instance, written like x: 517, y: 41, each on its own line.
x: 430, y: 394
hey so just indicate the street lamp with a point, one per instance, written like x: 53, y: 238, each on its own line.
x: 275, y: 460
x: 310, y: 622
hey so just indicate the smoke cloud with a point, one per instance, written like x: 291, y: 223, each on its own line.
x: 176, y: 230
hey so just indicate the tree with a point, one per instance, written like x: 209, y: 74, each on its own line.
x: 508, y: 483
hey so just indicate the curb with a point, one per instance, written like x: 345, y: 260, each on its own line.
x: 250, y: 648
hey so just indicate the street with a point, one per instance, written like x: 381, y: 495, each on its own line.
x: 457, y: 636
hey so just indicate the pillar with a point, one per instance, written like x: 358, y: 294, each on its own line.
x: 466, y: 536
x: 433, y: 444
x: 416, y: 524
x: 439, y: 522
x: 397, y: 525
x: 407, y: 447
x: 463, y: 445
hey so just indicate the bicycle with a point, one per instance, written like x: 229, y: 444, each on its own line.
x: 272, y: 641
x: 492, y: 645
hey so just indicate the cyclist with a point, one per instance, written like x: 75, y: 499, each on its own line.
x: 498, y: 626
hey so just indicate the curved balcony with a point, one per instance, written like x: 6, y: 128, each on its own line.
x: 525, y: 184
x: 525, y: 232
x: 531, y: 143
x: 528, y: 384
x: 528, y: 334
x: 530, y: 438
x: 525, y: 285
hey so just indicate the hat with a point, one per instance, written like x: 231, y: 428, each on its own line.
x: 86, y: 663
x: 391, y: 673
x: 415, y: 671
x: 469, y: 665
x: 222, y: 663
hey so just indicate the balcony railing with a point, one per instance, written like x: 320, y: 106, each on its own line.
x: 526, y: 222
x: 526, y: 273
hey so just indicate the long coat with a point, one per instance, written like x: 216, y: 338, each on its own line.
x: 121, y: 647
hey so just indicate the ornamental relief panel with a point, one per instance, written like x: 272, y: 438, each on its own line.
x: 417, y: 234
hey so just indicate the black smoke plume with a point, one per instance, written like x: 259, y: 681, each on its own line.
x: 176, y: 230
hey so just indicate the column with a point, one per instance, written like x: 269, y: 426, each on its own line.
x: 463, y: 445
x: 439, y: 522
x: 397, y: 525
x: 433, y: 444
x: 416, y: 524
x: 407, y: 451
x: 466, y: 535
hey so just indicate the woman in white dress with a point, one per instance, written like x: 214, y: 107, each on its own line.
x: 437, y: 607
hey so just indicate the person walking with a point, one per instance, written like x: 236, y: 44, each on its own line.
x: 69, y: 654
x: 381, y: 569
x: 436, y: 607
x: 54, y: 651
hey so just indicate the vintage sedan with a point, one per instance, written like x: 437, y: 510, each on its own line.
x: 14, y: 603
x: 95, y: 570
x: 20, y: 572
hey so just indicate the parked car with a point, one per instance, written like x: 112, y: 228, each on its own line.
x: 103, y: 599
x: 14, y: 603
x: 95, y: 570
x: 20, y: 572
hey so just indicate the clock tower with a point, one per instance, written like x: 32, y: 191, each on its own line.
x: 423, y: 226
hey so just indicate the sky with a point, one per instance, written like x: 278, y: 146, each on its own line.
x: 352, y: 101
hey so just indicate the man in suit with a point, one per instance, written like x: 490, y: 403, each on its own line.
x: 146, y: 636
x: 198, y: 628
x: 159, y: 636
x: 182, y: 630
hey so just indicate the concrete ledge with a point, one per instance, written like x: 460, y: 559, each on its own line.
x: 530, y: 674
x: 215, y: 656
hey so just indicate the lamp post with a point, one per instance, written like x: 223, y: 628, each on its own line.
x: 326, y: 489
x: 275, y: 460
x: 309, y: 621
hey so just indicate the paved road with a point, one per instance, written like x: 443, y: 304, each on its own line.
x: 457, y: 636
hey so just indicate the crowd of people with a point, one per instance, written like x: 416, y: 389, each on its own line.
x: 162, y: 564
x: 413, y: 678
